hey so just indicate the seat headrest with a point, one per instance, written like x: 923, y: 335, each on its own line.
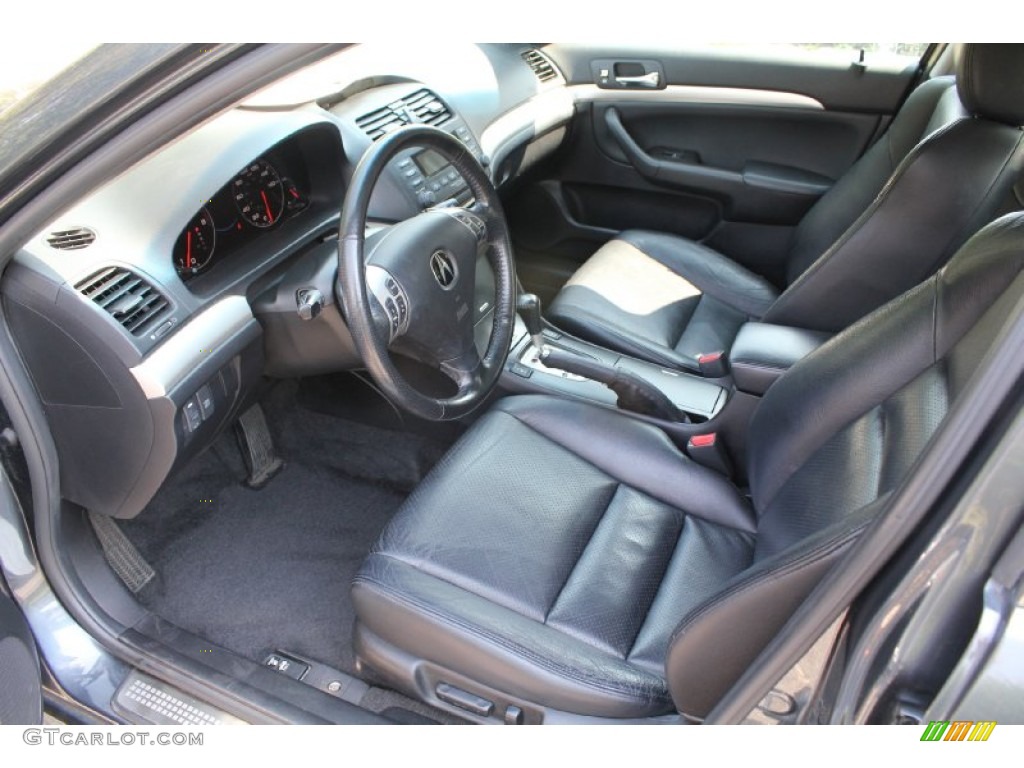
x: 990, y: 80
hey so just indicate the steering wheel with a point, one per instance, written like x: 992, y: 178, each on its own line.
x: 414, y: 288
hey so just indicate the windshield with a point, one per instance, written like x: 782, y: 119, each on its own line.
x: 26, y: 66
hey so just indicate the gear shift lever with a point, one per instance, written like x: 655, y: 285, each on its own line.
x: 529, y: 307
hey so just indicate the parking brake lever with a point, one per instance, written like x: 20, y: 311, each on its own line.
x: 633, y: 393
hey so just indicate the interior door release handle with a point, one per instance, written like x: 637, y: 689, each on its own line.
x: 650, y: 80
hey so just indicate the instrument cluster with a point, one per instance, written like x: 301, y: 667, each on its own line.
x: 263, y: 194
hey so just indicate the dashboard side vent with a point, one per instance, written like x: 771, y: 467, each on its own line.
x: 420, y: 107
x: 541, y: 65
x: 71, y: 239
x: 131, y: 301
x: 427, y: 107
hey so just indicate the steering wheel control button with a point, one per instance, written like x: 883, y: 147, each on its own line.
x: 391, y: 296
x: 442, y: 265
x: 471, y: 220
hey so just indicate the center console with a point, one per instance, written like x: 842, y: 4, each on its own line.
x: 417, y: 178
x: 430, y: 177
x: 697, y: 399
x: 694, y: 410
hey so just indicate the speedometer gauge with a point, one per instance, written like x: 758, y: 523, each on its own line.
x: 194, y: 248
x: 259, y: 194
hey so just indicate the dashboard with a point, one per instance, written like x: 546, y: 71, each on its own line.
x: 156, y: 305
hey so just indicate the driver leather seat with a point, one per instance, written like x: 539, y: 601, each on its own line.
x: 564, y: 559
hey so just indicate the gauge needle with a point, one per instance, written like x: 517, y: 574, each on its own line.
x: 266, y: 204
x: 188, y: 250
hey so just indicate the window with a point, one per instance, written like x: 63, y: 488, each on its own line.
x: 26, y: 66
x: 895, y: 56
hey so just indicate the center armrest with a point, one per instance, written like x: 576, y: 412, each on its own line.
x: 763, y: 352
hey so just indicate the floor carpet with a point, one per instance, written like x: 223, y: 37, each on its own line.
x: 254, y: 571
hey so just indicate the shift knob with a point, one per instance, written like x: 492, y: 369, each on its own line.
x: 529, y: 309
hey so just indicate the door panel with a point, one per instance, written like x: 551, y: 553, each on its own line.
x: 720, y: 147
x: 764, y: 165
x: 21, y: 701
x: 838, y: 84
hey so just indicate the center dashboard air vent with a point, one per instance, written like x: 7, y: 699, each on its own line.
x: 421, y: 107
x: 541, y: 65
x: 71, y: 239
x: 132, y: 301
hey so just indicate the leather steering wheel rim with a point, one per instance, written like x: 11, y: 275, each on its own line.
x: 474, y: 382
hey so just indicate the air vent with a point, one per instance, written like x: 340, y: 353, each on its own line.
x: 132, y: 301
x: 422, y: 107
x: 71, y: 239
x: 540, y: 64
x: 379, y: 122
x: 427, y: 108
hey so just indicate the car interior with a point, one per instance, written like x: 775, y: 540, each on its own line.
x: 527, y: 383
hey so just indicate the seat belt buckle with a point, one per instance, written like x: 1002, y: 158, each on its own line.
x: 708, y: 451
x: 713, y: 365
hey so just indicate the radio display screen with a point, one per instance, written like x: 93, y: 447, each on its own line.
x: 429, y: 162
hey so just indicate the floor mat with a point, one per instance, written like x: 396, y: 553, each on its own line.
x: 254, y: 571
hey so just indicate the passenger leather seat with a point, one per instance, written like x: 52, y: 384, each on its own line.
x: 940, y: 172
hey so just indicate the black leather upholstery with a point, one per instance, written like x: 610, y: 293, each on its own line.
x: 943, y: 169
x: 1000, y: 99
x: 578, y: 559
x: 763, y: 352
x: 690, y: 299
x: 572, y: 559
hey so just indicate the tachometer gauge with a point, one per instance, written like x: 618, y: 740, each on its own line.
x: 194, y: 248
x: 259, y: 194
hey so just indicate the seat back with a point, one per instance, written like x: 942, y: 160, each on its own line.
x: 834, y: 437
x: 943, y: 169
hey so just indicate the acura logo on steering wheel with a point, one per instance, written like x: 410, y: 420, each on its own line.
x: 443, y: 267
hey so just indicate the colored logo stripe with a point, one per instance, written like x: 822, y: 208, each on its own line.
x: 982, y: 730
x: 958, y: 730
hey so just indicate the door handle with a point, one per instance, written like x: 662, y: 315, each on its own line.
x: 650, y: 80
